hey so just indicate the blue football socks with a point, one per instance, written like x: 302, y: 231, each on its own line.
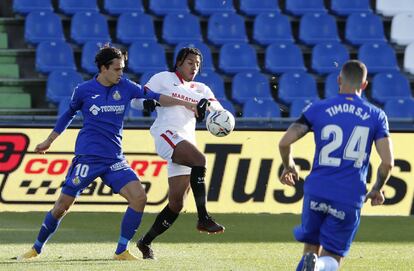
x: 49, y: 226
x: 129, y: 226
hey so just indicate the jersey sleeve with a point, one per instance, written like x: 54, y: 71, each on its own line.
x: 66, y: 118
x: 382, y: 129
x: 141, y: 92
x: 306, y: 117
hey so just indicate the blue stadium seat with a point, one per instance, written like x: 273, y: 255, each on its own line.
x: 146, y: 57
x: 163, y: 7
x: 331, y: 85
x: 297, y: 107
x: 180, y: 27
x: 89, y: 26
x: 237, y: 57
x: 60, y: 85
x: 135, y: 113
x: 301, y: 7
x: 24, y: 7
x: 329, y: 57
x: 226, y: 27
x: 207, y: 64
x: 70, y: 7
x: 228, y: 105
x: 54, y: 56
x: 250, y: 85
x: 214, y: 81
x: 297, y: 85
x: 345, y: 8
x: 364, y: 27
x: 378, y: 57
x: 135, y: 26
x: 261, y: 108
x: 400, y: 108
x: 208, y: 7
x: 284, y: 57
x: 390, y: 85
x: 146, y: 76
x: 272, y: 27
x: 317, y: 27
x: 42, y: 26
x: 254, y: 7
x: 89, y: 51
x: 116, y: 7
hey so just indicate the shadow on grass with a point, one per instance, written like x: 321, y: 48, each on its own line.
x: 18, y: 228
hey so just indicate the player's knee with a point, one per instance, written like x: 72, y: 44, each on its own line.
x: 200, y: 160
x: 138, y: 201
x: 59, y: 210
x: 176, y: 206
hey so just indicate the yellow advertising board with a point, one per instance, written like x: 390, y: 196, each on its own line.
x: 241, y: 176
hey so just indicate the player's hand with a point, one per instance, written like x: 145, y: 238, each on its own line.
x: 202, y: 106
x: 43, y: 147
x: 149, y: 105
x: 289, y: 176
x: 377, y: 197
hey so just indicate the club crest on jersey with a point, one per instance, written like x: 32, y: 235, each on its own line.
x: 116, y: 95
x: 76, y: 180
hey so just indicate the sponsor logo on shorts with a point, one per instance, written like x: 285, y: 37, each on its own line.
x: 326, y: 208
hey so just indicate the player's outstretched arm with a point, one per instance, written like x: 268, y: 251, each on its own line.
x: 45, y: 145
x: 384, y: 149
x: 170, y: 101
x: 294, y: 133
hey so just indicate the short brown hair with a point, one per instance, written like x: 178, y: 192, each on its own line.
x: 354, y: 73
x: 107, y: 54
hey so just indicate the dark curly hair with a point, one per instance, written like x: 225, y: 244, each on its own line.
x: 107, y: 54
x: 183, y: 53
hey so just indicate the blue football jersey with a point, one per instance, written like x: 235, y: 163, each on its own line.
x: 344, y: 127
x: 103, y: 109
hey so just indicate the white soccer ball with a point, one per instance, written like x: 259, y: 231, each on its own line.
x: 220, y: 123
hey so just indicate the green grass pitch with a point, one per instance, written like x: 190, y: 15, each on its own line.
x: 86, y: 241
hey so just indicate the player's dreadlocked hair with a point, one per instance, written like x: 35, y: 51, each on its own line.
x: 107, y: 54
x: 184, y: 52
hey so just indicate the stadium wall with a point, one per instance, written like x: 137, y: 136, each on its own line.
x: 241, y: 177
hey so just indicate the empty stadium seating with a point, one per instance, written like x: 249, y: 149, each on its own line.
x: 43, y: 26
x: 331, y: 85
x: 214, y: 81
x: 328, y: 57
x: 146, y: 57
x: 70, y: 7
x: 364, y: 27
x: 181, y: 27
x: 237, y: 57
x: 390, y: 85
x: 89, y: 51
x: 207, y: 63
x: 270, y: 27
x: 261, y: 108
x: 317, y: 27
x: 391, y: 8
x: 297, y: 85
x: 250, y: 85
x: 116, y: 7
x: 208, y: 7
x: 409, y: 58
x: 226, y: 27
x: 401, y: 28
x: 301, y: 7
x: 163, y: 7
x: 284, y: 57
x: 24, y: 7
x: 254, y: 7
x: 54, y: 56
x: 60, y: 85
x: 345, y: 8
x: 400, y: 108
x: 378, y: 57
x: 89, y: 26
x: 134, y: 26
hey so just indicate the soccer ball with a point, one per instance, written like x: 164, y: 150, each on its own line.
x: 220, y: 123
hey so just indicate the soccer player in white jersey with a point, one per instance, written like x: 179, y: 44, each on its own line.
x: 174, y: 136
x: 345, y: 128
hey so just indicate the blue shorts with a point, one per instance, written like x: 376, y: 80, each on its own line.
x: 115, y: 173
x: 330, y: 224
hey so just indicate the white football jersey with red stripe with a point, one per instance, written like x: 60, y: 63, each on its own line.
x: 178, y: 118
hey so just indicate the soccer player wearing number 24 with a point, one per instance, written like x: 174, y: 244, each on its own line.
x: 102, y: 101
x: 174, y: 136
x: 344, y: 127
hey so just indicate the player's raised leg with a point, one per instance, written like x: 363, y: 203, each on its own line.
x: 49, y: 226
x: 187, y: 154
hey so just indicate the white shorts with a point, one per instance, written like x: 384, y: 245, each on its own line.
x: 165, y: 143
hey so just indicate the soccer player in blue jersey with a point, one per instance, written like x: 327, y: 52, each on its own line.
x: 345, y: 128
x: 102, y: 101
